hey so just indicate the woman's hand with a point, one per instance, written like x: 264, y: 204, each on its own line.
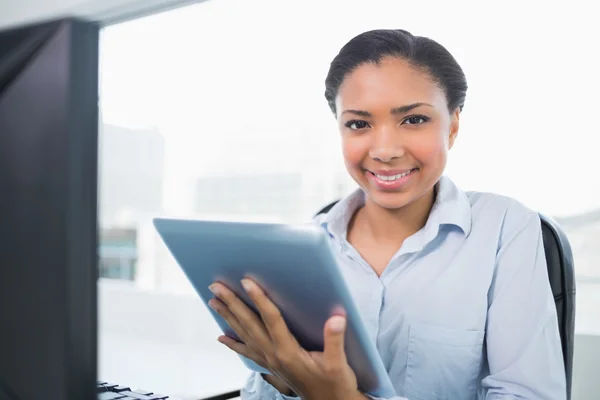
x: 268, y: 342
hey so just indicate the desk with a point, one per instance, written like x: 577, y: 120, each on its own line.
x: 184, y: 372
x: 163, y: 342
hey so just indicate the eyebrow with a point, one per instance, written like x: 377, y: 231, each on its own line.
x: 395, y: 110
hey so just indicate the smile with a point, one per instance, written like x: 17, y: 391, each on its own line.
x: 386, y: 182
x: 391, y: 178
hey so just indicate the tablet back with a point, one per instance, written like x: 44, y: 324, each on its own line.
x: 296, y: 268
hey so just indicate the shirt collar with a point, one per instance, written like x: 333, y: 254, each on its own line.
x: 452, y: 207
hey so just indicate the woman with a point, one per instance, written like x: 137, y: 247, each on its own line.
x: 453, y: 286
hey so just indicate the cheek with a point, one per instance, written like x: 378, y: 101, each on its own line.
x: 354, y: 151
x: 430, y: 150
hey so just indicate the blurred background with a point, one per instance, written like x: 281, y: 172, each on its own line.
x: 216, y: 110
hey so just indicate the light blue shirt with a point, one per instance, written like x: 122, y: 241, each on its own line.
x: 464, y: 310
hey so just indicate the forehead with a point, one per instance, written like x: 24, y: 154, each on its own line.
x: 391, y: 83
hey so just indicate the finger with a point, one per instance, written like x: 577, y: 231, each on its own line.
x: 334, y: 355
x: 222, y: 309
x: 246, y: 317
x: 270, y: 314
x: 280, y: 383
x: 240, y: 348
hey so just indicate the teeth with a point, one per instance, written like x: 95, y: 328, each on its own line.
x: 393, y: 177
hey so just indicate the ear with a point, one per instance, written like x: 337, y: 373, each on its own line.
x: 454, y: 124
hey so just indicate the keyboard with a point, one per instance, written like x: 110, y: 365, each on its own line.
x: 110, y: 391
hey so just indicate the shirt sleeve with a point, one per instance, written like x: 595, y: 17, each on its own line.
x: 523, y: 342
x: 387, y: 398
x: 257, y: 388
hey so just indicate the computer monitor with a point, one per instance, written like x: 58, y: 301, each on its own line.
x: 48, y: 217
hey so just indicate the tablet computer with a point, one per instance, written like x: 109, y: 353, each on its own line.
x: 296, y: 268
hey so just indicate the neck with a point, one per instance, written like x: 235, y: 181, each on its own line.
x: 385, y: 225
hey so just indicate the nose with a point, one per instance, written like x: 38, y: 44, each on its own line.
x: 386, y: 145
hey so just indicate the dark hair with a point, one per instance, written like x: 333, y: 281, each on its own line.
x: 420, y: 52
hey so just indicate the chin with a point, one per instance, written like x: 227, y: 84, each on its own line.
x: 389, y: 200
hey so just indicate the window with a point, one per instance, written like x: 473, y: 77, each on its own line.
x: 118, y: 253
x: 207, y: 113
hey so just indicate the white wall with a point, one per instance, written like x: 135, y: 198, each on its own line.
x: 586, y: 385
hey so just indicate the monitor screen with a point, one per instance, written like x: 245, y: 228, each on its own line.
x: 48, y: 164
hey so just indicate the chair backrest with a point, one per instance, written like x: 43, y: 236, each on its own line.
x: 561, y: 273
x: 559, y: 260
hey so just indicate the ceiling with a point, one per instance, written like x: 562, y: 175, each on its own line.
x: 19, y: 12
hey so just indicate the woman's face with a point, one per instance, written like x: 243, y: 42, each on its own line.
x: 396, y: 131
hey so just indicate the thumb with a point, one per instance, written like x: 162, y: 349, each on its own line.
x: 334, y: 355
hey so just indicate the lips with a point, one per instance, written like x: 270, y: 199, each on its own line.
x: 392, y: 176
x: 391, y: 179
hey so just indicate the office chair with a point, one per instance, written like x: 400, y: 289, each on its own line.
x: 559, y: 260
x: 561, y: 274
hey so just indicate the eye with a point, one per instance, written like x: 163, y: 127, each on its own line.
x: 415, y: 120
x: 356, y: 124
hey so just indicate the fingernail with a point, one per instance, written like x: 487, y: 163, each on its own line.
x: 247, y: 285
x: 214, y: 288
x: 213, y: 304
x: 337, y: 324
